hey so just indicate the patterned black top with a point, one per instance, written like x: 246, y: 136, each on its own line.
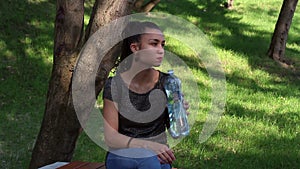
x: 140, y: 115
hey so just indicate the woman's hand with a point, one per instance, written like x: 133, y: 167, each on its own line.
x: 186, y: 105
x: 164, y: 153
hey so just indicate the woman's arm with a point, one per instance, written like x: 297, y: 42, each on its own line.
x: 114, y: 139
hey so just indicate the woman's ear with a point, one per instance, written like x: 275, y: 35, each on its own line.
x: 134, y: 47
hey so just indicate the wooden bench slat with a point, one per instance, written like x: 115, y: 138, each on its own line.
x: 83, y: 165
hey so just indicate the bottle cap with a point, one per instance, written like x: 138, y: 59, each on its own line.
x: 170, y: 71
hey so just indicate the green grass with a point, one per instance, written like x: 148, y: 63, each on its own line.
x: 259, y: 128
x: 26, y: 42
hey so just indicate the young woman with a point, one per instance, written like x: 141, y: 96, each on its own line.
x: 135, y: 118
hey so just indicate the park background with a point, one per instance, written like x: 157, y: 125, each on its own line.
x: 259, y: 128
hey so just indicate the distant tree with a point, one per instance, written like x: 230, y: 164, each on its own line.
x: 60, y: 126
x: 277, y: 47
x: 229, y: 4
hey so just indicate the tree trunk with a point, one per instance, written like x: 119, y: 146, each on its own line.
x: 230, y: 4
x: 278, y: 44
x: 105, y: 11
x: 139, y: 7
x: 150, y: 5
x: 60, y: 127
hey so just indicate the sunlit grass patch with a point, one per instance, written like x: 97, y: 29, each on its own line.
x: 258, y: 129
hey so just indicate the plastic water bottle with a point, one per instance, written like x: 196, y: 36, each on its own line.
x: 178, y: 118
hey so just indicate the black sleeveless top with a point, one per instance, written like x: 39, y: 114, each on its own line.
x: 140, y: 115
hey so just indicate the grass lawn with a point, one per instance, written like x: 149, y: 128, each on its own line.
x: 258, y: 130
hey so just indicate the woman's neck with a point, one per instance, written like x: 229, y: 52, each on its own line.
x: 142, y: 81
x: 134, y: 75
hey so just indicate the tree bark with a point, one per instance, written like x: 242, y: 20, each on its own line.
x: 60, y: 127
x: 139, y: 7
x: 277, y: 47
x: 150, y: 5
x: 230, y: 4
x: 103, y: 13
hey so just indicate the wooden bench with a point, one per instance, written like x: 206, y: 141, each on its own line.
x: 83, y: 165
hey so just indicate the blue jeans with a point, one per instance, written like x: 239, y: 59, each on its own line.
x: 134, y: 158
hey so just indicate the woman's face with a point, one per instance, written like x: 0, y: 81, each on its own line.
x: 151, y: 48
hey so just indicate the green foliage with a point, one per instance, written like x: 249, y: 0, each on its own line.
x: 260, y: 125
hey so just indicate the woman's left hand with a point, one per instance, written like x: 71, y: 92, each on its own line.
x: 186, y: 105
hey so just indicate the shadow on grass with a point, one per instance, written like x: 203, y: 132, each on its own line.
x: 252, y: 43
x: 26, y: 52
x: 230, y: 33
x: 26, y: 42
x: 287, y: 120
x: 279, y: 87
x: 265, y: 150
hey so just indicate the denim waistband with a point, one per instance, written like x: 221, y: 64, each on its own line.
x: 133, y: 152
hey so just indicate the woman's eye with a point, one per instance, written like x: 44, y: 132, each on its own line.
x: 154, y: 44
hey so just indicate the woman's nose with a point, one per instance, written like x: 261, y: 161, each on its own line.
x: 161, y: 48
x: 161, y: 51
